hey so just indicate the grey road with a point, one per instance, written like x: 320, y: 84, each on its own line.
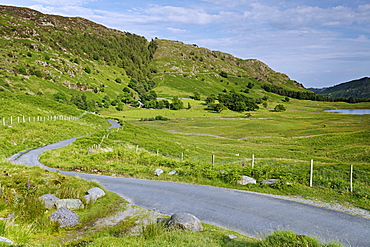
x: 249, y: 213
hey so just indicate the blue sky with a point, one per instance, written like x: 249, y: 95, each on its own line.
x: 318, y: 43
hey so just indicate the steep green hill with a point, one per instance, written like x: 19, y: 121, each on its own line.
x: 182, y: 69
x: 46, y: 54
x: 356, y: 89
x: 76, y: 60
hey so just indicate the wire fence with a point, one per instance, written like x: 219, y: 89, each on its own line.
x: 342, y: 177
x: 10, y: 121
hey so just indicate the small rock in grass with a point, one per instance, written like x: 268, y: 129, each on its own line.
x: 185, y: 221
x: 48, y: 200
x: 65, y: 217
x: 246, y: 180
x: 270, y: 181
x: 7, y: 241
x: 71, y: 204
x: 94, y: 194
x: 158, y: 172
x: 172, y: 172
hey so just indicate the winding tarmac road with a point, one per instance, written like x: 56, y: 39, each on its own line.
x: 249, y: 213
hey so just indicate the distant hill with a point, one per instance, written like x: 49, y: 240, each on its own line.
x: 356, y: 89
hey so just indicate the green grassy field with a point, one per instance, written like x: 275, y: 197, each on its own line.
x: 282, y: 143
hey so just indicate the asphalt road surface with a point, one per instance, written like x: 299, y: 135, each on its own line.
x: 249, y: 213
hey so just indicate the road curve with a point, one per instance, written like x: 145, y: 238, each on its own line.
x: 249, y: 213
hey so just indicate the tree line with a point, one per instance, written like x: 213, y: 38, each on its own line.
x: 308, y: 95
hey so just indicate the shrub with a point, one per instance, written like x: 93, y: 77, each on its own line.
x: 279, y: 108
x: 223, y: 74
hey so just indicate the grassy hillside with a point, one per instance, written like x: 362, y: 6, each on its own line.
x: 44, y: 55
x: 47, y: 54
x: 356, y: 89
x: 182, y: 69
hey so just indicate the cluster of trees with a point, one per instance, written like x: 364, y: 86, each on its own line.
x: 233, y: 101
x: 307, y: 95
x: 156, y: 118
x: 237, y: 101
x: 176, y: 104
x: 83, y: 102
x: 143, y: 88
x: 125, y: 50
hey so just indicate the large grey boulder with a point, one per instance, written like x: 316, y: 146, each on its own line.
x: 7, y: 241
x: 246, y: 180
x: 185, y: 221
x: 65, y: 217
x: 158, y: 172
x: 48, y: 200
x: 71, y: 204
x: 94, y: 194
x: 270, y: 181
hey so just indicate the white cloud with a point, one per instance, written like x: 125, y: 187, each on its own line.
x: 229, y: 3
x: 179, y: 15
x: 303, y: 16
x: 176, y: 30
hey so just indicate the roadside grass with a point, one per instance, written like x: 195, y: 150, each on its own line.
x: 22, y: 185
x: 20, y: 188
x: 159, y: 235
x: 282, y: 143
x: 121, y: 156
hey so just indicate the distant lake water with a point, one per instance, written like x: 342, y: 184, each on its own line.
x: 351, y: 111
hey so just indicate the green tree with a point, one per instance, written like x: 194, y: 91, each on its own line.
x: 250, y: 85
x: 210, y: 99
x: 176, y: 104
x: 217, y: 107
x: 119, y: 107
x: 87, y: 70
x: 196, y: 96
x: 279, y: 108
x: 223, y: 74
x: 60, y: 97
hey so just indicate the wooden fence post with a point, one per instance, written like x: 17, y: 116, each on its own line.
x: 311, y: 173
x: 213, y: 160
x: 351, y: 180
x: 182, y: 156
x: 252, y: 161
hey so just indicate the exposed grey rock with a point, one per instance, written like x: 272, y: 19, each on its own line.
x: 10, y: 216
x: 172, y: 172
x: 232, y: 236
x: 158, y: 172
x: 94, y: 194
x: 48, y: 200
x: 71, y: 204
x: 5, y: 240
x: 185, y: 221
x: 246, y: 180
x: 65, y: 217
x: 270, y: 181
